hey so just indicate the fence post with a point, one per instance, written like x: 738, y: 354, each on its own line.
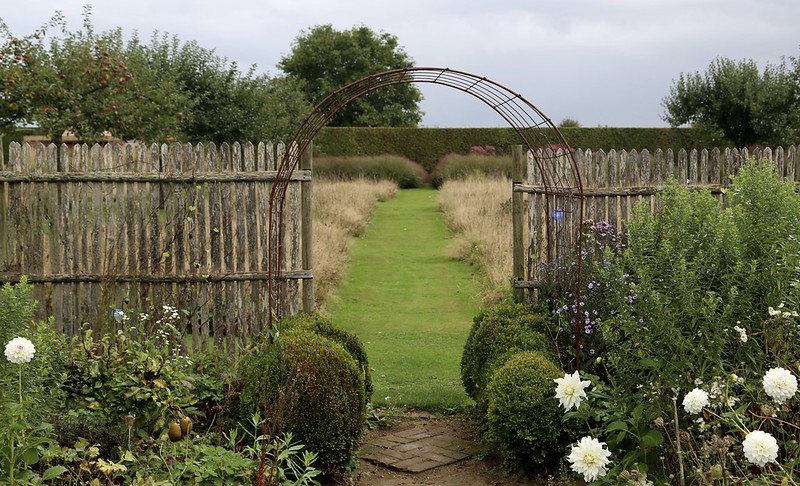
x: 518, y: 176
x: 306, y: 161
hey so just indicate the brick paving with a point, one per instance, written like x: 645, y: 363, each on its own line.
x: 418, y: 447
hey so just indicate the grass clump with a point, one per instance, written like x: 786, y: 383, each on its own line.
x: 459, y: 167
x: 478, y: 211
x: 400, y: 170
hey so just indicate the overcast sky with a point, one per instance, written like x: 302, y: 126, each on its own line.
x: 601, y: 62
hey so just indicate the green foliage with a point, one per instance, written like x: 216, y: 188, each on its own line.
x: 193, y: 462
x: 229, y: 105
x: 28, y: 391
x: 324, y: 59
x: 310, y: 386
x: 736, y: 100
x: 569, y: 123
x: 42, y: 375
x: 326, y: 328
x: 427, y: 146
x: 137, y: 372
x: 697, y: 299
x: 16, y: 310
x: 498, y: 333
x: 108, y: 434
x: 701, y: 269
x: 458, y: 167
x: 88, y: 82
x: 407, y: 174
x: 523, y: 417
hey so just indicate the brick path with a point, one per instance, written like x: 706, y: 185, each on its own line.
x: 418, y: 446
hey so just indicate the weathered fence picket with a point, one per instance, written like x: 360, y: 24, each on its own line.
x: 136, y: 227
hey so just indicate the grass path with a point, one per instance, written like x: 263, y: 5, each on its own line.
x: 410, y: 303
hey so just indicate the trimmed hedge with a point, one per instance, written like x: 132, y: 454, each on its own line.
x: 325, y: 327
x: 523, y: 415
x: 427, y: 146
x: 498, y: 333
x: 310, y: 386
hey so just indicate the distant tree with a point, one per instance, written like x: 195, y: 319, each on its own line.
x: 228, y: 105
x: 737, y: 101
x: 324, y: 59
x: 569, y: 123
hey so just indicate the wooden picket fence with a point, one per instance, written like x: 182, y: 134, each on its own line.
x: 137, y: 227
x: 613, y: 182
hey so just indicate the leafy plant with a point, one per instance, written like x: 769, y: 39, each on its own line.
x: 497, y: 333
x: 138, y: 372
x: 326, y: 328
x: 701, y: 307
x: 309, y: 386
x: 522, y: 415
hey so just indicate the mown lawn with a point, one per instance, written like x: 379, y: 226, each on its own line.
x: 410, y: 303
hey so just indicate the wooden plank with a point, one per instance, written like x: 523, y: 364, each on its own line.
x: 228, y: 245
x: 601, y: 203
x: 251, y: 246
x: 200, y: 332
x: 215, y: 246
x: 242, y: 223
x: 518, y: 251
x: 306, y: 188
x: 615, y: 167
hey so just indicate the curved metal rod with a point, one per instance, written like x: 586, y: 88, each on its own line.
x: 532, y: 126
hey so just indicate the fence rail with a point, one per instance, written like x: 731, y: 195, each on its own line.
x: 137, y: 227
x: 613, y: 182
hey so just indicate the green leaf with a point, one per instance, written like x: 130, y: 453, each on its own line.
x: 648, y: 363
x: 652, y: 438
x: 53, y: 472
x: 617, y: 425
x: 29, y: 456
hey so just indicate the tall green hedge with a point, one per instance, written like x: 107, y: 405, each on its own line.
x: 427, y: 145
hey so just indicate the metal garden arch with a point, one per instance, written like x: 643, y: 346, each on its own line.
x: 558, y: 176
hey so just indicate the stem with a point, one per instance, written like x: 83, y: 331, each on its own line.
x: 13, y: 438
x: 678, y: 438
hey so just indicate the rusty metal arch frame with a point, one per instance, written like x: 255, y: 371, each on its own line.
x: 532, y: 126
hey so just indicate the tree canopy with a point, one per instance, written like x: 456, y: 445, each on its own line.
x: 738, y: 101
x: 324, y: 59
x: 89, y: 83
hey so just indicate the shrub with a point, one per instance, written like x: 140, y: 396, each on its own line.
x: 136, y: 372
x: 349, y: 341
x: 522, y: 415
x: 309, y: 386
x: 498, y: 333
x: 458, y: 167
x: 404, y: 172
x: 109, y: 436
